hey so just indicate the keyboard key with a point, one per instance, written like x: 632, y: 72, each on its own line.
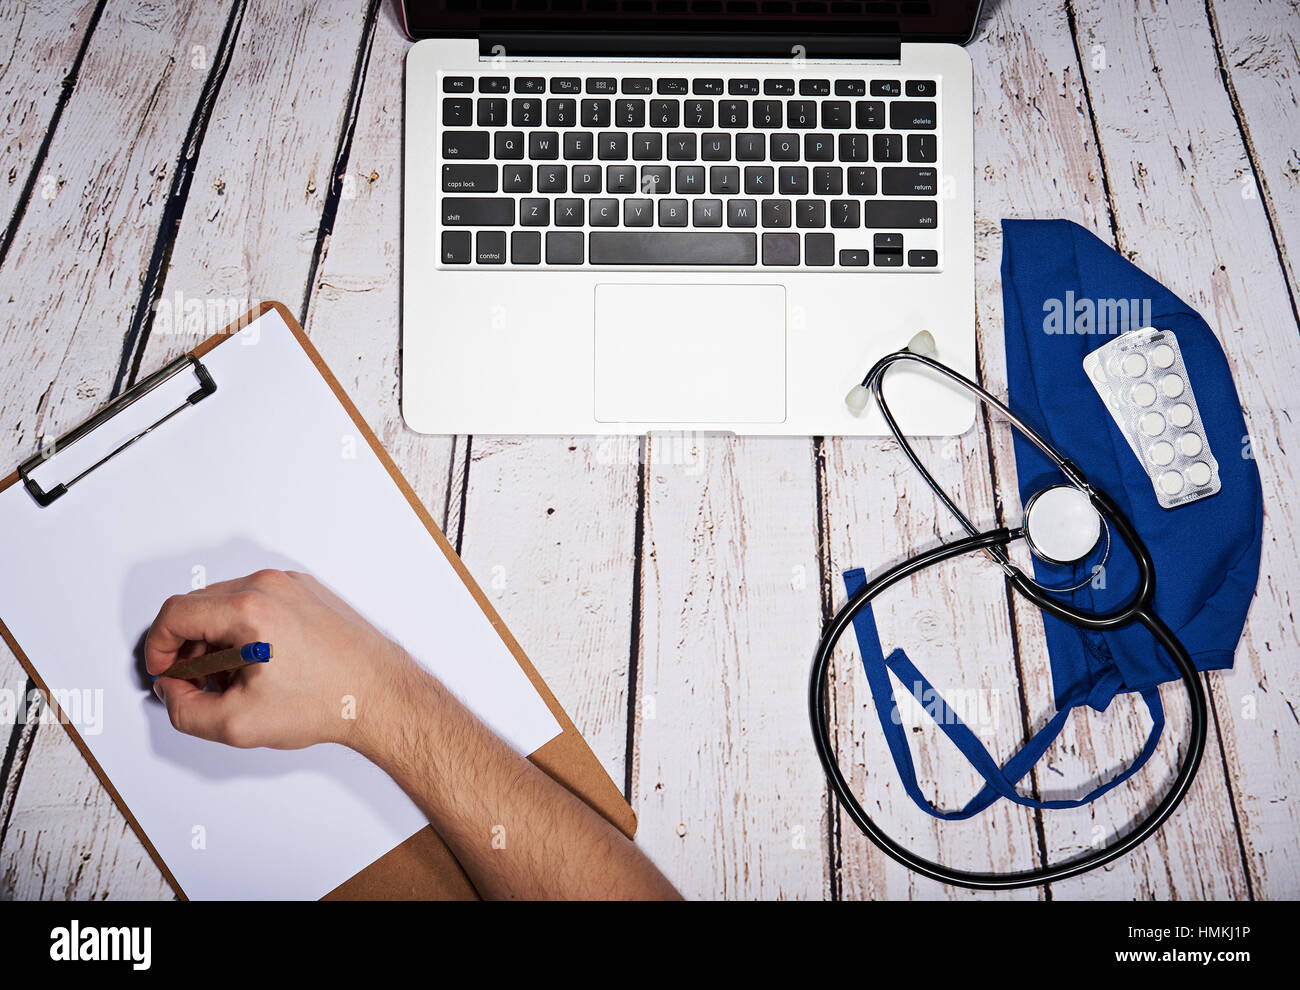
x: 493, y: 84
x: 535, y: 212
x: 672, y: 248
x: 525, y: 247
x: 707, y: 87
x: 733, y: 113
x: 477, y: 211
x: 611, y: 146
x: 508, y: 145
x: 818, y: 147
x: 638, y: 213
x: 690, y: 179
x: 715, y: 147
x: 585, y: 178
x: 814, y: 87
x: 671, y: 87
x: 566, y: 84
x: 759, y: 180
x: 785, y: 147
x: 751, y: 147
x: 886, y: 87
x: 595, y: 113
x: 530, y: 84
x: 564, y: 247
x: 801, y: 113
x: 724, y: 180
x: 909, y: 182
x: 742, y: 213
x: 525, y: 113
x: 846, y: 213
x: 491, y: 112
x: 921, y: 87
x: 888, y: 242
x: 630, y: 113
x: 544, y: 145
x: 836, y: 114
x: 469, y: 178
x: 647, y: 146
x: 665, y: 113
x: 850, y: 87
x: 603, y: 212
x: 828, y: 180
x: 490, y: 247
x: 568, y: 213
x: 706, y: 213
x: 869, y: 115
x: 637, y: 85
x: 819, y: 249
x: 810, y: 213
x: 456, y: 247
x: 776, y: 213
x: 767, y: 113
x: 923, y: 259
x: 552, y: 179
x: 903, y: 213
x: 620, y: 179
x: 778, y: 87
x: 913, y: 115
x: 561, y: 113
x: 743, y: 87
x: 457, y: 113
x: 862, y: 182
x: 681, y: 147
x: 887, y: 147
x: 792, y: 180
x: 889, y: 259
x: 922, y: 148
x: 656, y: 179
x: 698, y: 113
x: 517, y: 179
x: 854, y: 148
x: 579, y: 146
x: 465, y: 144
x: 855, y: 259
x: 673, y: 213
x: 601, y: 86
x: 458, y: 84
x: 780, y: 249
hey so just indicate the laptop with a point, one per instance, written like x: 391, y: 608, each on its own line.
x: 629, y: 216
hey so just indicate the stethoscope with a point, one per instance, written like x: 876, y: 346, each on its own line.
x: 1063, y: 524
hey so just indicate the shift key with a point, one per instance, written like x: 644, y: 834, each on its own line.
x: 894, y: 214
x: 477, y: 212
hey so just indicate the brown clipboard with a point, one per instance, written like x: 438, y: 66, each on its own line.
x: 422, y: 867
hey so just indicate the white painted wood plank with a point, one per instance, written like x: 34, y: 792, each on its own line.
x: 1173, y: 153
x: 731, y: 797
x: 1258, y: 44
x: 1032, y: 92
x: 67, y: 292
x: 43, y: 40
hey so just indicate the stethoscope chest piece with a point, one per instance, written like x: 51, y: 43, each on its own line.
x: 1062, y: 526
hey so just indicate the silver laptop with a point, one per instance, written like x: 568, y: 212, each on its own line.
x: 625, y: 216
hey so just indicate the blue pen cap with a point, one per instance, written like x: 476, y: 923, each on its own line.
x: 256, y: 652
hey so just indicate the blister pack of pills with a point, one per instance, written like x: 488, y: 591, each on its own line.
x: 1141, y: 378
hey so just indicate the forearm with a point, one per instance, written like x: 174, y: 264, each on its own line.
x: 516, y: 832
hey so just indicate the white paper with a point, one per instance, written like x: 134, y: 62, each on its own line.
x: 267, y: 472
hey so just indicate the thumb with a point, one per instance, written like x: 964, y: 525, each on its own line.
x: 192, y: 710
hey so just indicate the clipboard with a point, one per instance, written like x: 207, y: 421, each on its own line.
x: 421, y: 867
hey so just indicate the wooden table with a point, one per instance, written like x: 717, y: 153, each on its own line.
x: 168, y: 165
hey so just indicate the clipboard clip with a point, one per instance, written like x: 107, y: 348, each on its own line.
x: 206, y: 387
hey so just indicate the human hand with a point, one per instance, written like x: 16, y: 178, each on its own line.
x: 329, y: 672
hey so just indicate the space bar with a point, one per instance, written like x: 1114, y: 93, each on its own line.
x: 672, y: 248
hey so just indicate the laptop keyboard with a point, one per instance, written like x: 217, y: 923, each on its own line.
x: 599, y: 172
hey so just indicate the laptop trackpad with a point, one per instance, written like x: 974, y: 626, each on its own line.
x: 690, y: 354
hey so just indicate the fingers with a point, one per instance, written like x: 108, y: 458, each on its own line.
x: 196, y: 712
x: 215, y: 619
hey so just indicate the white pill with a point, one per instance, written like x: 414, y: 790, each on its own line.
x: 1153, y: 424
x: 1172, y: 386
x: 1189, y: 444
x: 1099, y: 374
x: 1171, y: 482
x: 1134, y: 365
x: 1162, y: 453
x: 1181, y: 414
x: 1144, y: 394
x: 1199, y: 474
x: 1162, y: 355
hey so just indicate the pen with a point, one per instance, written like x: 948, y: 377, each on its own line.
x: 215, y: 662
